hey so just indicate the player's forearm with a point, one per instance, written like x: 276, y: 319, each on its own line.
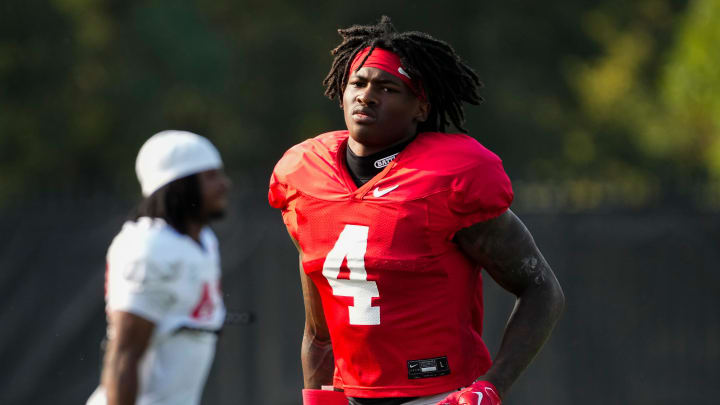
x: 531, y: 323
x: 120, y: 379
x: 318, y: 363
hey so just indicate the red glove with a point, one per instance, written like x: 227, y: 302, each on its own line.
x: 479, y: 393
x: 323, y: 397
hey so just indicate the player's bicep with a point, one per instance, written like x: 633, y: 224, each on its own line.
x: 316, y: 352
x: 130, y: 334
x: 315, y: 323
x: 506, y: 249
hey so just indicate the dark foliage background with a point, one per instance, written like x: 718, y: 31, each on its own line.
x: 606, y: 114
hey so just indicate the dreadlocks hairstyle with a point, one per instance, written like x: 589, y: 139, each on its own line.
x: 176, y: 202
x: 432, y: 64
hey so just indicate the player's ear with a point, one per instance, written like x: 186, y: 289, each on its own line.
x: 422, y: 111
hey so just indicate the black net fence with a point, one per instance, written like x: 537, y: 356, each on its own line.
x: 642, y: 324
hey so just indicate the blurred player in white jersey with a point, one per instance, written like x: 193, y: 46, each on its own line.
x: 163, y: 298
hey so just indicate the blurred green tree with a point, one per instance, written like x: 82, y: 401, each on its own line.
x: 648, y: 105
x: 690, y: 92
x: 595, y: 96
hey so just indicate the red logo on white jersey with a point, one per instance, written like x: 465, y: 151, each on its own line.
x: 205, y: 307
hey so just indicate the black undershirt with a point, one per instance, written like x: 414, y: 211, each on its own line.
x: 364, y: 168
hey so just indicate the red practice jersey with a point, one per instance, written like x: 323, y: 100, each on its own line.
x: 403, y: 304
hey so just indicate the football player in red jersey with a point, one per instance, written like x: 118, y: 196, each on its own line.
x: 394, y: 219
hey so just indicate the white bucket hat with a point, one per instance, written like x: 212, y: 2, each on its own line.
x: 171, y: 155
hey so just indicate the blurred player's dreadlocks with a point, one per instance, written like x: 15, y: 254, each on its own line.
x: 176, y: 202
x: 433, y: 64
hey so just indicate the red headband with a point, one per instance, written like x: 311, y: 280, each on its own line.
x: 389, y: 62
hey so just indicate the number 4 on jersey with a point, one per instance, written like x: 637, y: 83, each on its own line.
x: 352, y: 245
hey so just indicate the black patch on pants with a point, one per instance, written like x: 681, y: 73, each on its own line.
x: 426, y: 368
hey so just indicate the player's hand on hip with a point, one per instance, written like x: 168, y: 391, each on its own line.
x: 479, y: 393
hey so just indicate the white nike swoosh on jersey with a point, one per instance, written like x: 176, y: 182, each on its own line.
x: 379, y: 193
x: 480, y: 396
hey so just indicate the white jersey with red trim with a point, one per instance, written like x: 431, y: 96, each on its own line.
x: 169, y: 279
